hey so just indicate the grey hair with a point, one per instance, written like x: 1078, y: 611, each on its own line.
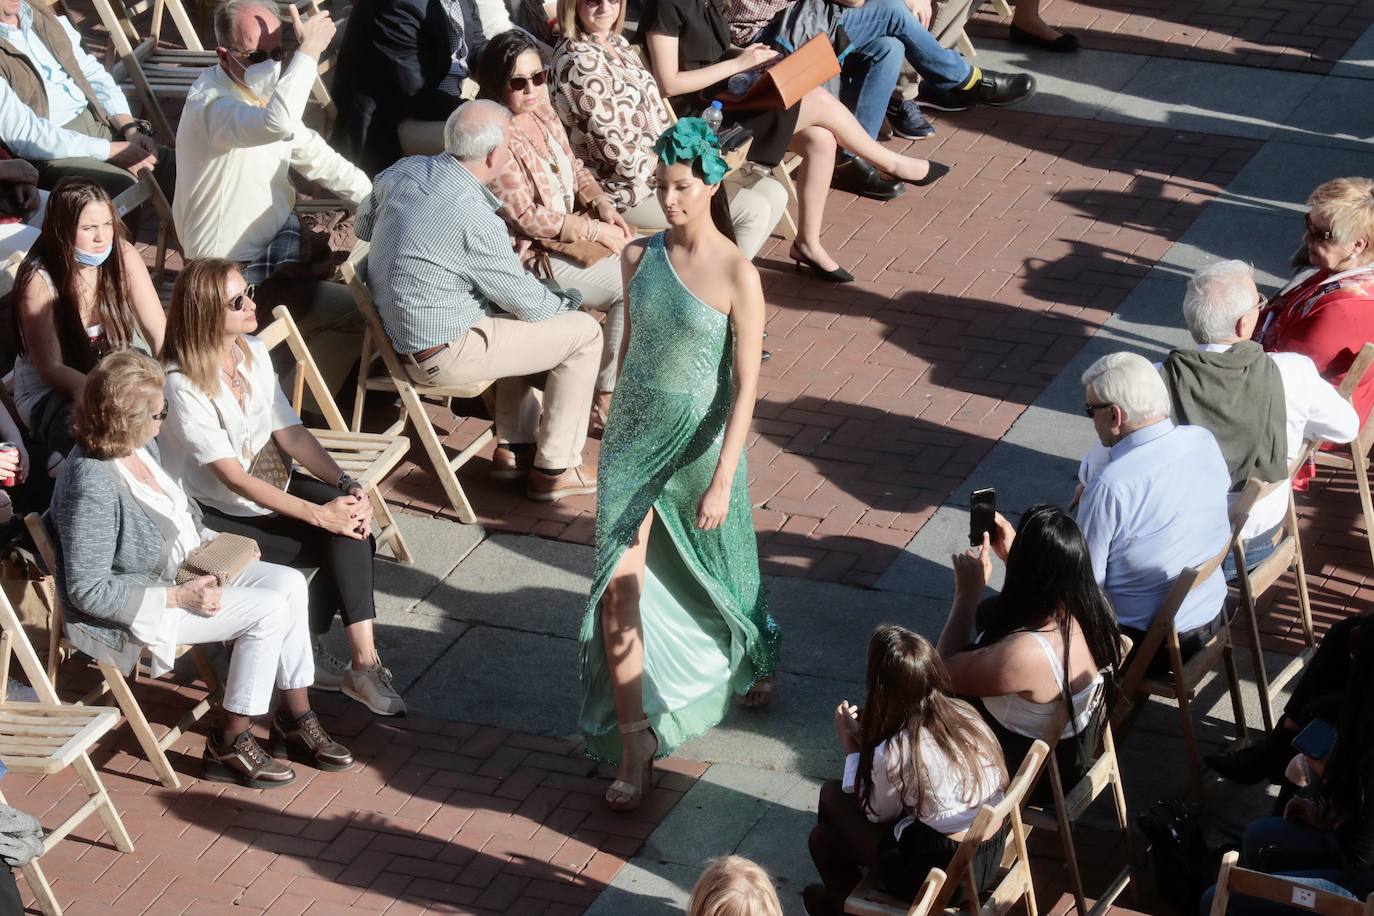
x: 1217, y: 297
x: 1132, y: 383
x: 226, y: 16
x: 475, y: 129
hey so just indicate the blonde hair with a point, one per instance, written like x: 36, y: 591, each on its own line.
x: 572, y: 30
x: 1348, y: 204
x: 733, y: 886
x: 116, y: 404
x: 195, y: 322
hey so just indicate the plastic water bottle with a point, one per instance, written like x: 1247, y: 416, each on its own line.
x: 741, y: 83
x: 713, y: 116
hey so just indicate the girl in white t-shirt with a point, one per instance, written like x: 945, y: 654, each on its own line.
x: 919, y: 765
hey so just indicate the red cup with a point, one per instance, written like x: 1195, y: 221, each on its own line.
x: 8, y: 448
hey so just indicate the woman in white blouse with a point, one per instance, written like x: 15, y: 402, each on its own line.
x: 232, y: 439
x: 919, y: 764
x: 124, y: 528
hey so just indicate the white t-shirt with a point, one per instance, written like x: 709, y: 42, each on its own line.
x: 200, y: 430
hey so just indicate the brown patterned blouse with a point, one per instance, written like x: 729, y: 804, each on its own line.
x: 614, y: 113
x: 534, y: 186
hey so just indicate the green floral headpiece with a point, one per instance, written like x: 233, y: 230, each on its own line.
x: 690, y: 141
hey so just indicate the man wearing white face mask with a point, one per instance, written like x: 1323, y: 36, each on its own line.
x: 239, y: 138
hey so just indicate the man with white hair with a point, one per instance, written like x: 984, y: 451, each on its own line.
x: 239, y: 138
x: 1157, y: 505
x: 1261, y: 407
x: 459, y: 307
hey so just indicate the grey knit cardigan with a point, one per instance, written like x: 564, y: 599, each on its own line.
x: 108, y: 549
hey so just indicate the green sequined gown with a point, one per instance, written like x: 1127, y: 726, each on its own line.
x: 706, y: 629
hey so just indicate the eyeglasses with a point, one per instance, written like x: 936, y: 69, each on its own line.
x: 518, y: 83
x: 1315, y: 234
x: 598, y: 3
x: 1089, y: 408
x: 257, y: 57
x: 162, y: 415
x: 237, y: 303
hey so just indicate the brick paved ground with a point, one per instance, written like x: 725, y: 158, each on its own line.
x: 1282, y: 34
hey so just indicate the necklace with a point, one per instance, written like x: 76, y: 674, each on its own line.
x: 551, y: 158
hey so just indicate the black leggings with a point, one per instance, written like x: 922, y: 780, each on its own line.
x: 343, y: 583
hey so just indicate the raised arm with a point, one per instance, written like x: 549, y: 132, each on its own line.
x: 674, y: 81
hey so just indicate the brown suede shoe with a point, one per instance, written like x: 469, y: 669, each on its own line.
x: 245, y: 762
x: 304, y: 740
x: 573, y: 482
x: 507, y: 464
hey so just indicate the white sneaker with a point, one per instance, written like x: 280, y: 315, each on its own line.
x: 373, y: 689
x: 329, y: 669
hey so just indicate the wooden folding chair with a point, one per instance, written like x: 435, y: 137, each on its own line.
x: 144, y: 191
x: 47, y: 737
x: 1282, y: 890
x: 1358, y: 461
x: 1184, y: 678
x: 1013, y: 881
x: 113, y: 680
x: 1069, y: 806
x: 368, y: 457
x: 376, y: 345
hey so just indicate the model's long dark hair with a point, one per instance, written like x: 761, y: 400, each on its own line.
x: 1050, y: 578
x: 498, y: 60
x: 1348, y: 778
x: 909, y: 690
x: 53, y: 252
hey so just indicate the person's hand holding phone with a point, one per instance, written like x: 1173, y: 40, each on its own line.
x: 972, y: 569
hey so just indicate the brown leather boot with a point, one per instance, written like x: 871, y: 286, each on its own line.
x: 304, y: 740
x: 243, y: 761
x: 576, y: 481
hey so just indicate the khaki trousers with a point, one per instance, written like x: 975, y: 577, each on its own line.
x: 567, y: 347
x: 756, y: 205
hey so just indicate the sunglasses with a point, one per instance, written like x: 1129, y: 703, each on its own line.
x: 1090, y: 408
x: 518, y: 83
x: 257, y: 57
x: 237, y: 303
x: 1315, y: 234
x: 600, y: 3
x: 162, y: 415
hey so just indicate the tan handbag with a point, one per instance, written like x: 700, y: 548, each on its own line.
x: 224, y: 556
x: 583, y: 252
x: 782, y: 83
x: 271, y: 464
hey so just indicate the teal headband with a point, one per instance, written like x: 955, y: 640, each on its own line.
x: 691, y: 141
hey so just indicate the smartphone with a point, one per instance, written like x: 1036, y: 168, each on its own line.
x: 1316, y: 739
x: 982, y: 508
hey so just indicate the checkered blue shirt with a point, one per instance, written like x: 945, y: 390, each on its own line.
x: 441, y: 258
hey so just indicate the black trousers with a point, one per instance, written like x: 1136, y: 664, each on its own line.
x: 1190, y: 642
x: 343, y: 584
x: 10, y: 903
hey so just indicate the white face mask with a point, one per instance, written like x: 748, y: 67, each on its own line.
x: 261, y: 79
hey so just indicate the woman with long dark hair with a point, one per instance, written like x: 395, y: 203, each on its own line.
x: 919, y: 764
x: 82, y: 292
x: 1051, y: 618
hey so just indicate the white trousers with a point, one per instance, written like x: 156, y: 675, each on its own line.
x: 264, y: 614
x: 602, y: 290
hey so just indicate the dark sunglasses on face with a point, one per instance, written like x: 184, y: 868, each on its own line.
x: 237, y: 302
x: 1317, y: 235
x: 1091, y: 408
x: 257, y: 57
x: 162, y: 414
x: 518, y: 83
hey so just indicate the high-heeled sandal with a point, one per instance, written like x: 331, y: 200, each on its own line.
x: 632, y: 795
x: 838, y: 275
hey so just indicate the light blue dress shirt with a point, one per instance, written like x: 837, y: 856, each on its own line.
x: 1158, y: 506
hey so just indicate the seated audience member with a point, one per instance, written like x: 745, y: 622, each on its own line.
x: 614, y: 114
x: 400, y: 74
x: 239, y: 139
x: 879, y: 36
x: 1260, y: 407
x: 1156, y: 506
x: 919, y: 765
x: 1326, y: 314
x: 21, y: 207
x: 229, y: 418
x: 82, y: 292
x: 548, y: 197
x: 733, y: 886
x: 1316, y: 695
x: 1326, y: 835
x: 1051, y: 617
x: 692, y: 57
x: 123, y: 529
x: 459, y: 308
x: 60, y: 110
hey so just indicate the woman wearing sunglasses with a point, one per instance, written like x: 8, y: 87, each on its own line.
x: 82, y: 292
x: 231, y: 440
x: 572, y: 230
x: 1328, y: 314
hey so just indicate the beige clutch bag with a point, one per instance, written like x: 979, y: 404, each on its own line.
x: 224, y: 556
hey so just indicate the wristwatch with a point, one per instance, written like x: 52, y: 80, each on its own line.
x: 138, y: 124
x: 346, y: 482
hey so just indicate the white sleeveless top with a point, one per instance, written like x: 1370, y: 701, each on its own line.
x: 1024, y: 717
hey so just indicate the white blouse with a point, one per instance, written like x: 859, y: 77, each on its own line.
x: 945, y: 809
x: 200, y: 430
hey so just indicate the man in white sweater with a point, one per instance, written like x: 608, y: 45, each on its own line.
x: 239, y: 138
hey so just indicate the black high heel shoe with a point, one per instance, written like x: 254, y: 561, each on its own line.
x: 1066, y: 43
x: 838, y: 275
x: 937, y: 171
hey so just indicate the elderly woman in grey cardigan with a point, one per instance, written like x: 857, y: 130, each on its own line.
x: 123, y: 529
